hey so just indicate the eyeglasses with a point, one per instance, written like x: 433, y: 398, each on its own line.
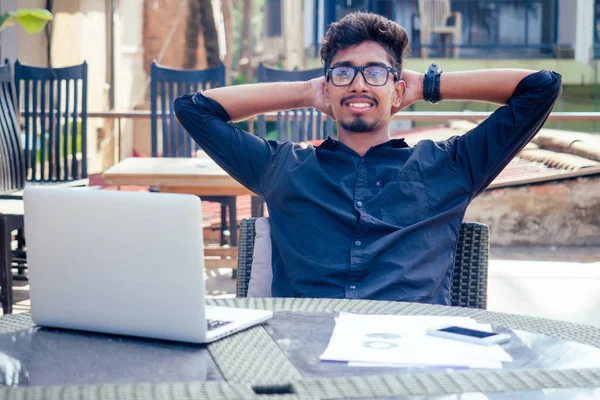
x: 374, y: 75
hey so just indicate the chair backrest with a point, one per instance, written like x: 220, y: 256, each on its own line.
x: 166, y: 84
x: 55, y: 127
x: 12, y: 160
x: 470, y: 277
x: 434, y: 13
x: 297, y: 125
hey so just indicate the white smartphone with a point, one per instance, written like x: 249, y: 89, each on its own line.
x: 470, y: 335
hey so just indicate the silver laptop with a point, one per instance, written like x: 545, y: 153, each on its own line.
x: 129, y: 263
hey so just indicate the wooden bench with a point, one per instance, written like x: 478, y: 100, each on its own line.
x: 216, y: 256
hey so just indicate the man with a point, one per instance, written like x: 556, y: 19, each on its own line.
x: 365, y: 216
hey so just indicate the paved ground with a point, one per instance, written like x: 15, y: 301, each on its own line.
x: 558, y: 283
x: 553, y: 282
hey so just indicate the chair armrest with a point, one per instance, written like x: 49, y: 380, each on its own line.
x: 470, y: 276
x: 12, y: 195
x: 457, y: 19
x: 78, y: 184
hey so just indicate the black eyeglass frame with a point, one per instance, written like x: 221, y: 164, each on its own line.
x: 390, y: 70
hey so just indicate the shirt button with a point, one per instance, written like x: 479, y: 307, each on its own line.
x: 358, y: 243
x: 352, y: 287
x: 363, y: 161
x: 359, y: 203
x: 377, y: 184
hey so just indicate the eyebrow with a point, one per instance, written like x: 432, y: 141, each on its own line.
x: 349, y: 64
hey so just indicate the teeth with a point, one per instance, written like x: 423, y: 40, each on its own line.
x: 359, y: 105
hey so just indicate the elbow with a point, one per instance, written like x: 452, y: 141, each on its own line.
x: 558, y: 90
x: 184, y: 107
x: 179, y: 105
x: 553, y: 85
x: 539, y: 90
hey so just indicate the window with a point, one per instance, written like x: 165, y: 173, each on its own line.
x: 345, y: 7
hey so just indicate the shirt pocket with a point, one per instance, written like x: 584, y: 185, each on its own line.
x: 403, y: 199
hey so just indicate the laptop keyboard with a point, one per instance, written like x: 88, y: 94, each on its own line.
x: 214, y: 324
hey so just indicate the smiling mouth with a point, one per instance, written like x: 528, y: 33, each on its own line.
x: 359, y: 107
x: 359, y: 104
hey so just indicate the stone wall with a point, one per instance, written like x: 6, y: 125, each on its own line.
x: 163, y: 39
x: 565, y: 212
x: 164, y: 29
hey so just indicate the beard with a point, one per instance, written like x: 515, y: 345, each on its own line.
x: 358, y: 125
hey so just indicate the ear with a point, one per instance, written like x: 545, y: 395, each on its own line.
x: 399, y: 91
x: 325, y: 91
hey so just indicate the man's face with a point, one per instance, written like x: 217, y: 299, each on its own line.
x: 361, y: 107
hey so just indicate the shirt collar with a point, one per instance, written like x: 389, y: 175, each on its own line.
x: 332, y: 144
x: 329, y: 144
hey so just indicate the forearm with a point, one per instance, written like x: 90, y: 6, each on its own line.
x: 245, y: 101
x: 492, y: 85
x: 484, y: 151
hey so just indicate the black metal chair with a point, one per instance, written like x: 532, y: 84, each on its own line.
x: 12, y: 159
x: 305, y: 123
x: 296, y: 125
x: 55, y: 153
x: 166, y: 84
x: 469, y: 282
x: 12, y: 182
x: 55, y: 122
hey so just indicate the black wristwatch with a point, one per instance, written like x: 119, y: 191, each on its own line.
x: 431, y: 84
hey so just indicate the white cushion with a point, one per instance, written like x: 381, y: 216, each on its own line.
x: 261, y: 274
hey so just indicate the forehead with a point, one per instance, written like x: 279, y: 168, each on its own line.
x: 362, y: 54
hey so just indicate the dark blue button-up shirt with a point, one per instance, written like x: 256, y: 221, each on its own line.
x: 382, y: 226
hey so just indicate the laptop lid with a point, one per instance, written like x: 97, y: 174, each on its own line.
x: 129, y: 263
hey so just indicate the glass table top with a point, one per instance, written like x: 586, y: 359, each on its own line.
x: 43, y: 356
x: 304, y: 337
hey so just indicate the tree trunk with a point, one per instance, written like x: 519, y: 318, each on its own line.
x: 192, y: 31
x: 227, y: 6
x: 246, y: 58
x: 209, y: 30
x: 48, y: 32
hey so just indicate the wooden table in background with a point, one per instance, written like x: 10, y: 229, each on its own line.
x: 199, y: 176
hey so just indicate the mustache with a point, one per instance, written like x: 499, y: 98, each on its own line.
x: 345, y: 99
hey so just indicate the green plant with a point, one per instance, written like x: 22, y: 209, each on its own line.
x: 33, y: 20
x: 241, y: 79
x: 47, y: 143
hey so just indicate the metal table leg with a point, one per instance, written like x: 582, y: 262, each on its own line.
x: 6, y: 224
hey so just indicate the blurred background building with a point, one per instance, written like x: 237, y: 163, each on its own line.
x: 119, y: 39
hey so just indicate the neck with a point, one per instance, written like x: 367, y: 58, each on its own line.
x: 361, y: 142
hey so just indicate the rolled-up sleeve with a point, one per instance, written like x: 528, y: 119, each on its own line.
x: 482, y: 153
x: 244, y: 156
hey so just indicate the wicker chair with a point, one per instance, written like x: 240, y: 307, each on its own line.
x: 469, y: 283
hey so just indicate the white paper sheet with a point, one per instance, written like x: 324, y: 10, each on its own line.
x: 475, y: 364
x: 402, y: 341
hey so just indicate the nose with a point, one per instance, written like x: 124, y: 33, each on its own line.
x: 359, y: 84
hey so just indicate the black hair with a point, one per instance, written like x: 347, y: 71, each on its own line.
x: 359, y: 27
